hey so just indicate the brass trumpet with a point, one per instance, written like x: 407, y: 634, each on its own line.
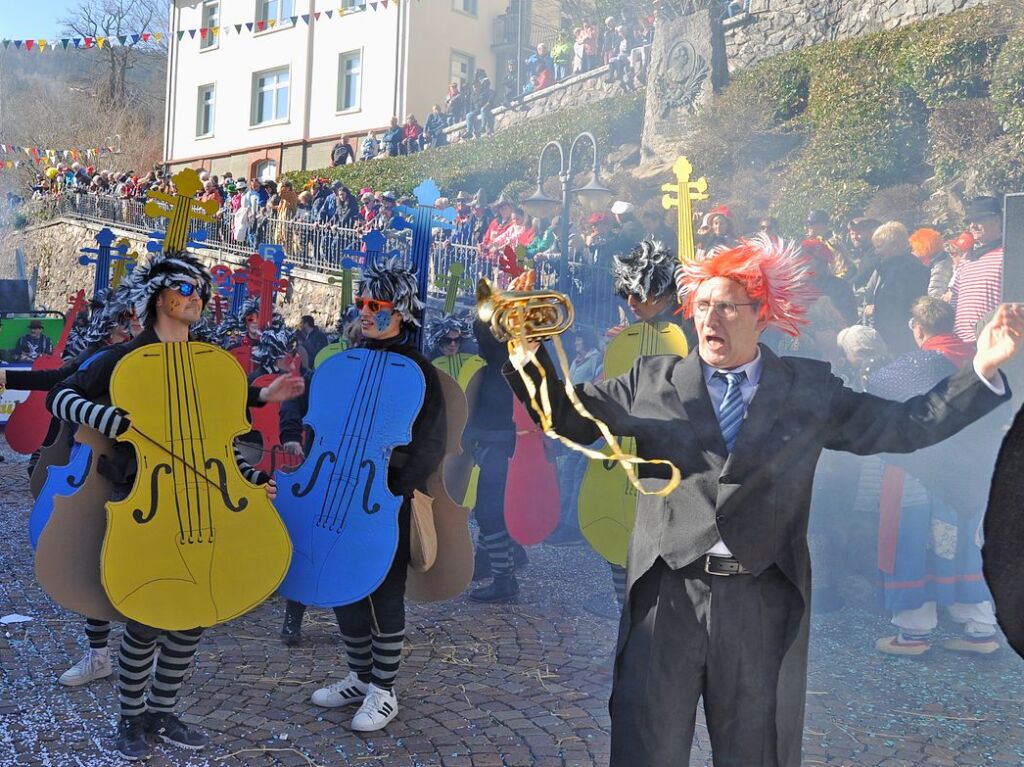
x: 523, y: 315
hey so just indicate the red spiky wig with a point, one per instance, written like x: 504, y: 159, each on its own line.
x: 773, y: 272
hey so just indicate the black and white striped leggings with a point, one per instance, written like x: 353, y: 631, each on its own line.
x: 174, y: 652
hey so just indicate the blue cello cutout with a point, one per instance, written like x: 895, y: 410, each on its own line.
x: 342, y: 518
x: 60, y: 480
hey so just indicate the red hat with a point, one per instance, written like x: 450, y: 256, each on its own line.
x: 90, y: 170
x: 963, y: 242
x: 720, y: 210
x: 597, y: 218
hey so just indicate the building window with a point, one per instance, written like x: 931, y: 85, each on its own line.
x: 204, y: 113
x: 274, y: 10
x: 465, y: 6
x: 270, y: 96
x: 349, y: 4
x: 211, y: 19
x: 462, y: 68
x: 350, y: 68
x: 265, y: 171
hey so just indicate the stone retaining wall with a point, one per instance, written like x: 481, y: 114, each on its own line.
x: 776, y: 26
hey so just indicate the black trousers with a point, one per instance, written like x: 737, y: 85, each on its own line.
x: 691, y: 635
x: 492, y: 456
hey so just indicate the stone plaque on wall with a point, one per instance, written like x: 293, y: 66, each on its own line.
x: 687, y: 64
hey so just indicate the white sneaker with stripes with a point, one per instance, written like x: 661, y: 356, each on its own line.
x: 378, y: 709
x: 349, y: 690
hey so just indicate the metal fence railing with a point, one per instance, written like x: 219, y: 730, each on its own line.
x: 321, y: 249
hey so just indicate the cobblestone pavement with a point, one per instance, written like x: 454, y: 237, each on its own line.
x: 480, y: 686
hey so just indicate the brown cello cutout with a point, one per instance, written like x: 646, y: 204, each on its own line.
x: 68, y: 553
x: 56, y: 453
x: 452, y: 571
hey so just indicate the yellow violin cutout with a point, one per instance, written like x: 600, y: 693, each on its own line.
x: 686, y: 192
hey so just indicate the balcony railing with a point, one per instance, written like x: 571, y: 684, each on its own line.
x: 320, y: 248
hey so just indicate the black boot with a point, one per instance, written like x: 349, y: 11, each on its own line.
x: 291, y: 631
x: 503, y: 588
x: 481, y: 564
x: 519, y: 558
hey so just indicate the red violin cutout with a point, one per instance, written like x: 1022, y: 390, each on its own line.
x: 26, y: 429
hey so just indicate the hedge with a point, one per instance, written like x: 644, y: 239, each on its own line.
x: 492, y: 163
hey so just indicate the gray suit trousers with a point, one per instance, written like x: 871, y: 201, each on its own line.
x: 693, y: 635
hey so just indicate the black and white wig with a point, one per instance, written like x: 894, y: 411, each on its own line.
x: 165, y: 270
x: 274, y: 343
x: 438, y: 330
x: 390, y: 280
x: 647, y: 271
x: 116, y: 312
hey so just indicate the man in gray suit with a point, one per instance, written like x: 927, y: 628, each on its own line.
x: 719, y: 573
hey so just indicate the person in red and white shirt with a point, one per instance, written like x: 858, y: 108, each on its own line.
x: 978, y: 284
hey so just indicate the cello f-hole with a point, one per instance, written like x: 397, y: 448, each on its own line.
x: 324, y: 456
x: 154, y: 494
x: 77, y: 483
x: 222, y: 485
x: 369, y: 484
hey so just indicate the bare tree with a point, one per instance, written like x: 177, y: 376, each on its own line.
x: 113, y: 19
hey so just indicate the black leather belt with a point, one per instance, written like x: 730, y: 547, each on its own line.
x: 723, y: 566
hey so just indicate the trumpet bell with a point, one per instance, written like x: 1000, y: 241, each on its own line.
x: 523, y: 315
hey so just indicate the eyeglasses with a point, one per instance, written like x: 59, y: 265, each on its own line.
x: 373, y: 305
x: 186, y: 289
x: 727, y: 310
x: 450, y: 340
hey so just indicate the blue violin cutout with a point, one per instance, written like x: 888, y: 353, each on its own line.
x: 60, y: 480
x: 342, y: 518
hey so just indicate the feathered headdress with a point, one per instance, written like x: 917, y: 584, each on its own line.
x: 445, y: 326
x: 388, y: 279
x: 204, y: 331
x: 773, y: 272
x: 647, y: 271
x: 164, y: 270
x: 275, y: 342
x: 250, y: 306
x: 116, y: 311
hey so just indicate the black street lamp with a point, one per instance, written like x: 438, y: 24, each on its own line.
x: 594, y: 196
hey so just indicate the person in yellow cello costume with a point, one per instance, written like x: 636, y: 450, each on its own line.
x: 169, y: 294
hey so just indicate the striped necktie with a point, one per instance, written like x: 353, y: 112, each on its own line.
x: 731, y: 411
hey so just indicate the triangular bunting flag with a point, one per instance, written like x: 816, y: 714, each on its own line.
x: 272, y: 23
x: 145, y: 37
x: 158, y: 35
x: 384, y: 3
x: 42, y: 46
x: 192, y: 34
x: 329, y: 13
x: 77, y: 41
x: 316, y: 15
x: 260, y: 25
x: 7, y: 44
x: 100, y: 41
x: 248, y: 25
x: 214, y: 31
x: 136, y: 38
x: 64, y: 42
x: 238, y: 29
x: 181, y: 34
x: 123, y: 39
x: 373, y: 6
x: 29, y: 44
x: 295, y: 20
x: 305, y: 17
x: 202, y: 32
x: 17, y: 44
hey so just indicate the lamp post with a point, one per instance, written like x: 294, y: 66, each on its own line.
x: 594, y: 196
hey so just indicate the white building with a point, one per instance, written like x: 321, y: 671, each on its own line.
x: 257, y: 103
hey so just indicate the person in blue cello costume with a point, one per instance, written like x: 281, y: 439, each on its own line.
x: 373, y: 629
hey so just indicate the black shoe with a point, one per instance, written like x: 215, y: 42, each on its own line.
x: 503, y: 588
x: 168, y: 728
x: 481, y: 564
x: 519, y: 558
x: 131, y: 740
x: 291, y: 631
